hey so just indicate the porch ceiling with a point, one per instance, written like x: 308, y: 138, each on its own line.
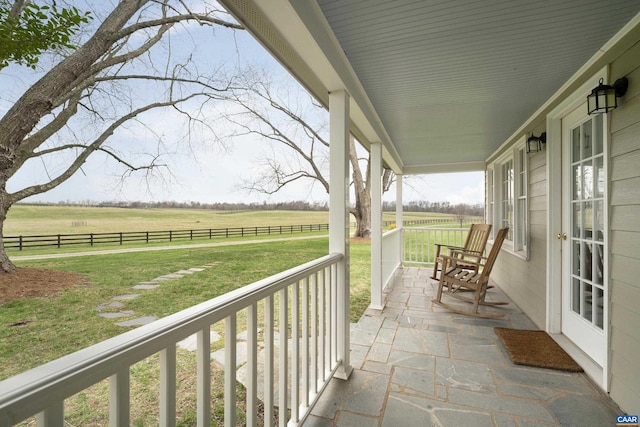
x: 442, y: 84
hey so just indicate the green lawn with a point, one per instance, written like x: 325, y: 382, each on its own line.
x: 67, y: 322
x: 61, y: 324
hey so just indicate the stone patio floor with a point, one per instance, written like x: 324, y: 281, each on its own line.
x: 415, y: 365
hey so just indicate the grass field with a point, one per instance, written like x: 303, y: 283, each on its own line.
x: 37, y: 220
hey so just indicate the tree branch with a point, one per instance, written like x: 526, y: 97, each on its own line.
x: 95, y: 146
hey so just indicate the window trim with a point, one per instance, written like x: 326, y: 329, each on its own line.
x: 517, y: 242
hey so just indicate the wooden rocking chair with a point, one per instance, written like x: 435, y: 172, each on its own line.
x: 458, y: 278
x: 473, y: 248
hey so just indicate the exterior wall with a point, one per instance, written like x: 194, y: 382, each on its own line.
x: 624, y: 223
x: 524, y: 280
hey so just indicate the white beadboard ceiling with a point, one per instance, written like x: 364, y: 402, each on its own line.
x: 448, y: 81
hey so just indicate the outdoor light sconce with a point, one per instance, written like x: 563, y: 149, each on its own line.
x: 534, y: 143
x: 605, y: 97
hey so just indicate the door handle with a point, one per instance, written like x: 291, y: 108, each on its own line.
x: 562, y: 236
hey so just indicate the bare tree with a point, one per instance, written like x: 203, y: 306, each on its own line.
x: 292, y: 120
x: 121, y: 71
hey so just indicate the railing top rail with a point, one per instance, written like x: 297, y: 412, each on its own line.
x: 436, y: 228
x: 392, y: 232
x: 46, y: 384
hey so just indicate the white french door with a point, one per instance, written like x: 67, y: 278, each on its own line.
x: 584, y: 289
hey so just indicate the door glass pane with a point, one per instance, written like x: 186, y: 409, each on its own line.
x: 587, y: 220
x: 598, y: 263
x: 575, y: 144
x: 575, y: 270
x: 577, y: 219
x: 598, y: 307
x: 587, y: 310
x: 587, y: 142
x: 575, y: 296
x: 599, y: 177
x: 598, y: 221
x: 598, y: 135
x: 577, y: 181
x: 587, y: 261
x: 587, y: 180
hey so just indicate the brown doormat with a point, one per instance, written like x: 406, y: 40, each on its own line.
x: 535, y: 348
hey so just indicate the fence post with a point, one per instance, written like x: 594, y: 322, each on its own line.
x: 121, y: 238
x: 58, y: 241
x: 20, y: 244
x: 91, y: 239
x: 209, y: 234
x: 170, y: 235
x: 147, y: 236
x: 190, y: 234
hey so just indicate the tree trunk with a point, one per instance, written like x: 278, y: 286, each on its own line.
x: 6, y: 265
x: 362, y: 211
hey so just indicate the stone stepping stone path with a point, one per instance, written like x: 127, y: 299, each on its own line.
x: 116, y: 302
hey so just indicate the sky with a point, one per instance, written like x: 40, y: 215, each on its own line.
x: 201, y: 171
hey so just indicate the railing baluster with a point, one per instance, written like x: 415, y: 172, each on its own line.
x: 268, y: 362
x: 326, y: 284
x: 333, y: 309
x: 168, y: 387
x: 305, y: 343
x: 53, y: 416
x: 119, y: 398
x: 230, y: 343
x: 204, y: 378
x: 295, y: 352
x: 283, y: 318
x: 321, y: 326
x: 314, y: 333
x: 252, y: 365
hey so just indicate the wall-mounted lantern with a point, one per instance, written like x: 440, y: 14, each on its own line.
x: 605, y: 97
x: 535, y: 143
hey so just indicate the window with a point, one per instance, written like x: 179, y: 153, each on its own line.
x: 507, y: 197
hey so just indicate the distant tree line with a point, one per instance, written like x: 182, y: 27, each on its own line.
x: 413, y: 206
x: 438, y: 207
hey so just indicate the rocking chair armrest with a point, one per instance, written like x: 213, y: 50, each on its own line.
x: 463, y: 257
x: 439, y: 246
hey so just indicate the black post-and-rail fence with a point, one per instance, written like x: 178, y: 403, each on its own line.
x: 91, y: 239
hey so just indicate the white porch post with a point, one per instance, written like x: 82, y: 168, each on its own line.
x: 339, y: 217
x: 376, y: 226
x: 399, y: 210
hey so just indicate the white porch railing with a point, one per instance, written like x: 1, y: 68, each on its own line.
x: 419, y: 242
x: 307, y: 295
x: 391, y: 255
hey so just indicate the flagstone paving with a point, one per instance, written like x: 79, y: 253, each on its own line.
x: 119, y: 301
x: 415, y: 365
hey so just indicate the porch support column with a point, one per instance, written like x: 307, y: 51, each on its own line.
x: 399, y: 201
x: 399, y: 211
x: 376, y: 226
x: 339, y: 218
